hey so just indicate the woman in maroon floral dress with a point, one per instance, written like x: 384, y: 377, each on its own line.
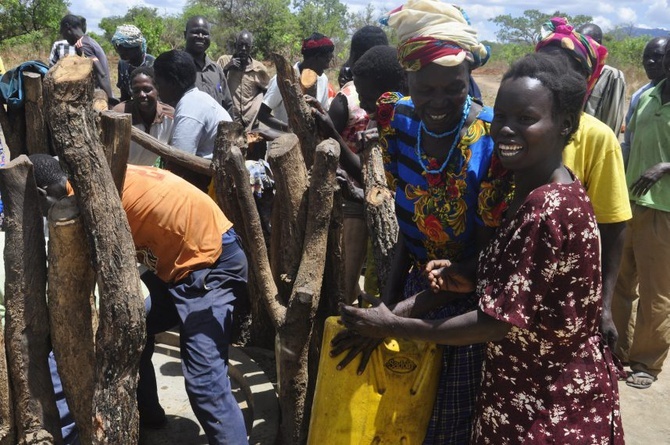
x: 547, y: 376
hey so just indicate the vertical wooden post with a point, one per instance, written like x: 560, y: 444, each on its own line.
x: 121, y: 334
x: 14, y: 129
x: 27, y: 321
x: 115, y: 135
x: 379, y: 211
x: 72, y: 310
x: 7, y: 430
x: 300, y: 117
x: 37, y: 136
x: 295, y: 332
x: 289, y: 214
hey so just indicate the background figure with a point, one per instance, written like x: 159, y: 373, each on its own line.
x: 60, y: 49
x: 148, y: 113
x: 594, y: 156
x: 131, y: 46
x: 317, y: 52
x: 646, y: 254
x: 608, y: 97
x: 247, y: 80
x: 73, y: 29
x: 652, y: 61
x: 209, y: 76
x: 349, y: 118
x: 196, y: 113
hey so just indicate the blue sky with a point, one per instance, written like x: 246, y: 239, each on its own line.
x: 642, y: 13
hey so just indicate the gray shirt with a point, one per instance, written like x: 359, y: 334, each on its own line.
x: 196, y: 121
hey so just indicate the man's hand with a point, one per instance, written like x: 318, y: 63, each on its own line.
x: 650, y: 177
x: 443, y: 275
x: 234, y: 62
x: 609, y: 332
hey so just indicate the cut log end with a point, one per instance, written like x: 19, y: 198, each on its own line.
x: 283, y: 144
x: 72, y: 69
x: 377, y: 195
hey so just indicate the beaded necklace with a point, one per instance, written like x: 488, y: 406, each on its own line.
x: 419, y: 153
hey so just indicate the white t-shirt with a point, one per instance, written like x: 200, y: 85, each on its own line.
x: 274, y: 100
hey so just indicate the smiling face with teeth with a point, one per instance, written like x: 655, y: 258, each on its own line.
x: 528, y: 131
x: 439, y: 93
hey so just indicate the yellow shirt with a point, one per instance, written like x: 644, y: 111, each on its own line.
x: 2, y: 67
x: 594, y: 155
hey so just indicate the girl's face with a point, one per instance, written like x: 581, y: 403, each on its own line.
x: 439, y: 93
x: 529, y: 135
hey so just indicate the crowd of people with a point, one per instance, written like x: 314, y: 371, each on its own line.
x: 533, y: 245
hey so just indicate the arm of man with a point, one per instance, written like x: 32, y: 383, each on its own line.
x: 611, y: 246
x: 265, y: 116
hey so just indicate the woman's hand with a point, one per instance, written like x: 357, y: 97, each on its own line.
x: 323, y: 121
x: 374, y: 322
x: 356, y: 344
x: 443, y: 275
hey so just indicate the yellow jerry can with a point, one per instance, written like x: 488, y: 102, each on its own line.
x: 390, y: 403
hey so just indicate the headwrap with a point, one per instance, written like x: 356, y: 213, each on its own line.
x: 316, y: 44
x: 129, y: 36
x: 434, y: 32
x: 590, y: 55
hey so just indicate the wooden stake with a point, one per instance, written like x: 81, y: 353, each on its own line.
x: 27, y: 321
x: 37, y: 136
x: 121, y: 334
x: 72, y: 310
x: 115, y: 135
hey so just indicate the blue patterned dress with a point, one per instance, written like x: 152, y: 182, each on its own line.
x: 438, y: 215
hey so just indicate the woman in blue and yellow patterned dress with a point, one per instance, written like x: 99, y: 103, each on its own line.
x: 449, y: 186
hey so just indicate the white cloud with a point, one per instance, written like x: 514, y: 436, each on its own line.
x: 627, y: 15
x: 604, y: 23
x: 480, y: 12
x: 605, y: 8
x: 659, y: 13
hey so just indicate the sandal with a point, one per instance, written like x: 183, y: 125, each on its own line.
x: 640, y: 380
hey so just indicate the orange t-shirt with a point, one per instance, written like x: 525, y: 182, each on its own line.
x: 176, y: 227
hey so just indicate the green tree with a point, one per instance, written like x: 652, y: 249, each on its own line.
x: 19, y: 17
x: 526, y: 29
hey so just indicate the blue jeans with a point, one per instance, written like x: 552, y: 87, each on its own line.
x: 202, y: 306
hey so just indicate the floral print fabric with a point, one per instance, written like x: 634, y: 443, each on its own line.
x: 438, y: 213
x: 550, y: 380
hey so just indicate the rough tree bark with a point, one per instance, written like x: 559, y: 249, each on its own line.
x: 379, y: 211
x: 7, y: 430
x: 115, y: 136
x: 230, y: 159
x: 121, y: 333
x: 72, y: 310
x: 13, y: 124
x: 37, y: 135
x: 289, y: 214
x: 261, y: 330
x: 294, y: 333
x: 300, y: 117
x: 183, y: 159
x: 27, y: 321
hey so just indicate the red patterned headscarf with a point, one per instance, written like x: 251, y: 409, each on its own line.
x: 431, y: 31
x: 589, y: 53
x: 316, y: 44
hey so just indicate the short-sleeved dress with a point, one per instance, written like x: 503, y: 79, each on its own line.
x: 550, y: 380
x: 438, y: 215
